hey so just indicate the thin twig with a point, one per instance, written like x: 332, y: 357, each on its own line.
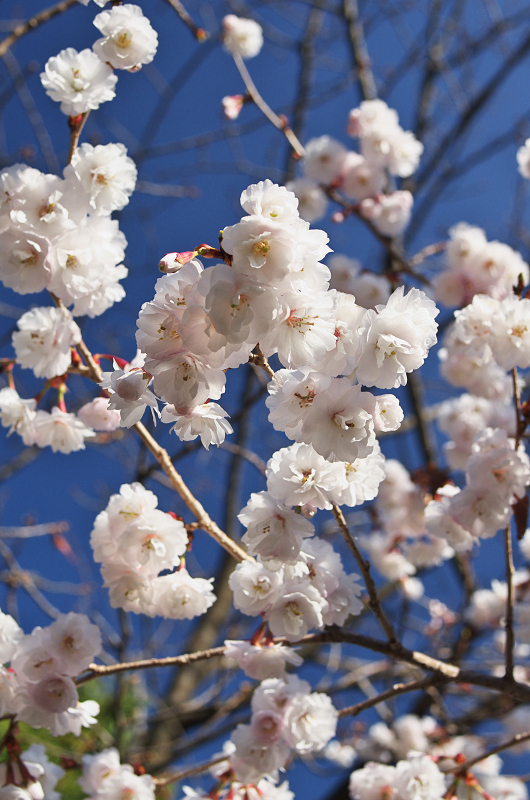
x: 387, y: 242
x: 361, y: 59
x: 510, y: 571
x: 259, y: 360
x: 162, y: 456
x: 279, y: 123
x: 429, y: 250
x: 186, y: 773
x: 101, y: 671
x: 75, y: 133
x: 34, y: 22
x: 397, y: 689
x: 364, y: 566
x: 200, y: 34
x: 204, y: 519
x: 517, y: 739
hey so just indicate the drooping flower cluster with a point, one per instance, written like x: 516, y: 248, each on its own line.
x: 57, y: 234
x: 80, y: 82
x: 386, y: 149
x: 134, y: 542
x: 309, y: 592
x: 285, y: 716
x: 488, y: 338
x: 104, y: 778
x: 38, y: 687
x: 476, y: 266
x: 496, y: 476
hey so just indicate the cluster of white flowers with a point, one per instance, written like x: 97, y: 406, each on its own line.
x: 386, y: 149
x: 80, y: 82
x: 463, y: 417
x: 286, y: 716
x: 105, y: 778
x: 416, y: 778
x: 312, y: 592
x: 496, y: 476
x: 488, y: 338
x: 134, y: 542
x: 57, y: 234
x: 275, y: 292
x: 368, y: 288
x: 476, y: 266
x: 58, y: 429
x: 402, y: 544
x: 32, y: 776
x: 37, y: 688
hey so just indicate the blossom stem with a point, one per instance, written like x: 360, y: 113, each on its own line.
x: 200, y: 34
x: 162, y: 456
x: 510, y: 570
x: 186, y: 773
x: 517, y: 739
x: 397, y: 689
x: 278, y: 122
x: 75, y: 133
x: 364, y: 566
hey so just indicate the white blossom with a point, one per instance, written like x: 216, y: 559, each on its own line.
x: 104, y: 174
x: 78, y: 81
x: 43, y: 340
x: 128, y: 37
x: 61, y: 431
x: 242, y: 37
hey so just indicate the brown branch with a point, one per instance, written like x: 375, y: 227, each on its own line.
x: 361, y: 59
x: 200, y: 34
x: 162, y: 456
x: 75, y: 132
x: 510, y: 570
x: 387, y: 242
x: 259, y: 360
x: 186, y: 773
x: 279, y: 123
x: 517, y: 739
x: 203, y: 518
x: 429, y: 250
x: 397, y: 689
x: 364, y: 566
x: 101, y: 671
x: 34, y: 22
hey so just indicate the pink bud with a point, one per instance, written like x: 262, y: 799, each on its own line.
x: 172, y: 262
x: 232, y: 105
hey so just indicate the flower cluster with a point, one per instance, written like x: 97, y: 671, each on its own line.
x: 386, y: 149
x: 38, y: 688
x: 496, y: 476
x: 416, y: 777
x: 285, y: 716
x: 476, y: 266
x: 104, y: 778
x: 32, y: 776
x: 135, y: 542
x: 312, y: 592
x: 80, y: 82
x: 57, y: 234
x: 402, y: 544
